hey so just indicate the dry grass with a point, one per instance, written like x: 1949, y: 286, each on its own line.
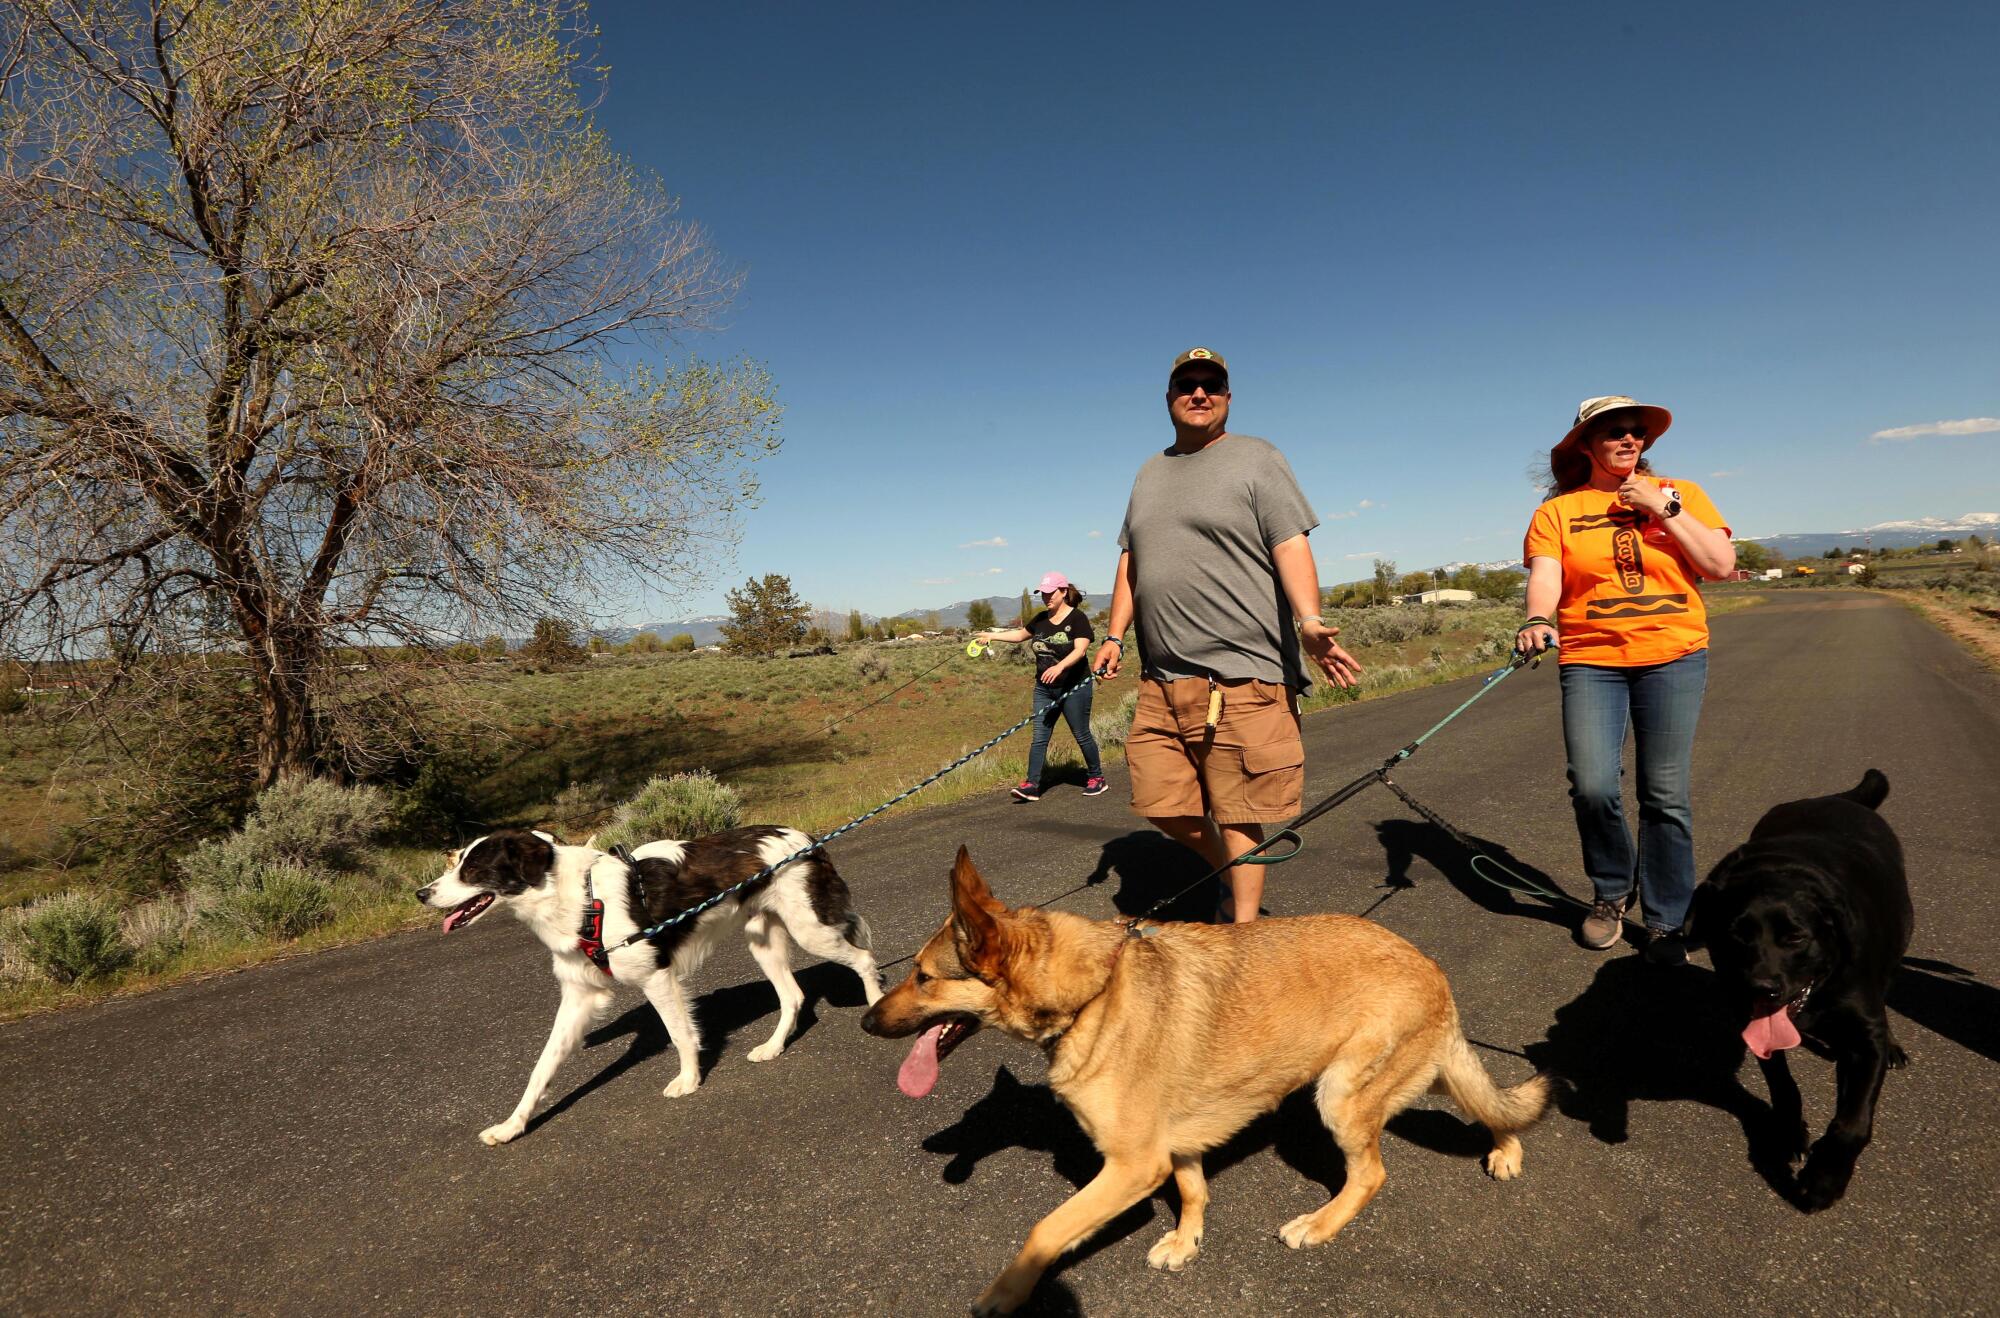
x: 1972, y: 621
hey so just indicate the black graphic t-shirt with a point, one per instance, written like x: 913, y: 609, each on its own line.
x: 1052, y: 642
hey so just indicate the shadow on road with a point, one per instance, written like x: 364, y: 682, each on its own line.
x: 1013, y: 1115
x: 722, y: 1012
x: 1407, y: 840
x: 1149, y: 866
x: 1643, y: 1034
x: 1946, y: 1000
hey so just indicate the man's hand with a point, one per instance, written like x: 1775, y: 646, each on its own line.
x: 1316, y: 638
x: 1108, y: 656
x: 1643, y: 493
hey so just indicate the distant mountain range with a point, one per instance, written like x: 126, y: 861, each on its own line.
x: 706, y: 628
x: 1885, y: 535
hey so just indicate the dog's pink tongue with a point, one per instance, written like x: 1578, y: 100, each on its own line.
x: 920, y: 1069
x: 1771, y: 1032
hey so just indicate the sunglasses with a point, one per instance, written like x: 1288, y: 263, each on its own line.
x: 1620, y: 429
x: 1185, y: 385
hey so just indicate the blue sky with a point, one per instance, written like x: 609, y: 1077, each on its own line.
x: 974, y: 238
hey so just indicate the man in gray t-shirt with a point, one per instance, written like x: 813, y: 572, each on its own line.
x: 1215, y: 569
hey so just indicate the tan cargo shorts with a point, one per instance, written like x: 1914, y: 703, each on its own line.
x: 1248, y: 769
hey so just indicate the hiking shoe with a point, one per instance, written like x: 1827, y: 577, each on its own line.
x: 1600, y: 928
x: 1095, y: 787
x: 1665, y: 947
x: 1028, y: 791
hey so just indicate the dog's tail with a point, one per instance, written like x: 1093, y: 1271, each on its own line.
x: 1871, y: 791
x: 1501, y: 1111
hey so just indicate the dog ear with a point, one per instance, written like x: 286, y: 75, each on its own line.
x: 590, y: 843
x: 975, y: 917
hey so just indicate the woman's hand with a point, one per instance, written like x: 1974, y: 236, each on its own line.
x: 1643, y: 493
x: 1054, y: 672
x: 1534, y: 637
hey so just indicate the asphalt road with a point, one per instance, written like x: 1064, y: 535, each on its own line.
x: 303, y: 1137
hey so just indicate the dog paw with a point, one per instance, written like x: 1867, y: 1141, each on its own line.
x: 1302, y: 1231
x: 502, y: 1133
x: 1504, y: 1162
x: 998, y: 1299
x: 764, y: 1052
x: 684, y: 1084
x: 1898, y: 1059
x: 1173, y: 1252
x: 1821, y: 1185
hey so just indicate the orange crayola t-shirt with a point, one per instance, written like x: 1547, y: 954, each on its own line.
x: 1629, y: 597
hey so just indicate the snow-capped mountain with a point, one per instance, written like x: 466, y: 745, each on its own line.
x: 1905, y: 534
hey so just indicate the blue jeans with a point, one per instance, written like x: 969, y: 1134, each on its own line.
x: 1076, y: 708
x: 1661, y: 705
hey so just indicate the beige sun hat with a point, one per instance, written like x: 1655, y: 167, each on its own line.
x: 1657, y: 419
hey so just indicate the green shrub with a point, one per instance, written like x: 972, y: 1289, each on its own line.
x: 15, y: 965
x: 579, y: 808
x: 160, y: 930
x: 680, y: 643
x: 74, y: 935
x: 432, y: 794
x: 224, y: 863
x: 315, y: 823
x: 283, y: 900
x: 1111, y: 727
x: 155, y: 807
x: 871, y: 667
x: 685, y: 805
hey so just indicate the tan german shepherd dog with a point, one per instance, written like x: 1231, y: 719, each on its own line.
x: 1167, y: 1042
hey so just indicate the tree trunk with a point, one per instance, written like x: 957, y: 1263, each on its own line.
x: 287, y: 733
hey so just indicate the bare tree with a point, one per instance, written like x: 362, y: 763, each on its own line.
x: 337, y: 322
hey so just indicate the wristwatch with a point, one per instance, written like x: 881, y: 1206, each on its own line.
x: 1673, y: 508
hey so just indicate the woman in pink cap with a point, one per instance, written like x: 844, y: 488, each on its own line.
x: 1059, y: 638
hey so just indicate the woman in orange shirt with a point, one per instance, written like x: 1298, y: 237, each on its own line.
x: 1615, y: 558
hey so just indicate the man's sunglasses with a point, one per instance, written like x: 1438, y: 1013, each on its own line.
x: 1185, y: 385
x: 1620, y: 429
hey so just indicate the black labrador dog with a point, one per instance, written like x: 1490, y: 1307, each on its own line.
x: 1806, y: 923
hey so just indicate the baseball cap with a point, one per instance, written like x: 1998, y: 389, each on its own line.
x: 1051, y: 583
x: 1209, y: 355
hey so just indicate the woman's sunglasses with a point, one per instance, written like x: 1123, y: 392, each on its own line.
x: 1620, y: 429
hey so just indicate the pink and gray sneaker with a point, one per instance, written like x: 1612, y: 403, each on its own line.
x: 1095, y: 787
x: 1028, y: 791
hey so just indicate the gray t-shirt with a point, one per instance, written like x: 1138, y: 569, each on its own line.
x: 1200, y: 528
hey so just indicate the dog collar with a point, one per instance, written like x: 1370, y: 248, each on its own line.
x: 590, y: 938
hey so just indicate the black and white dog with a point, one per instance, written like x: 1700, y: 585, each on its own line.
x: 580, y: 901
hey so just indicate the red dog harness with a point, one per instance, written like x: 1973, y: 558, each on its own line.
x: 590, y: 938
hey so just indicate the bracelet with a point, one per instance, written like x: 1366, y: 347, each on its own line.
x: 1536, y: 621
x: 1118, y: 641
x: 1312, y: 617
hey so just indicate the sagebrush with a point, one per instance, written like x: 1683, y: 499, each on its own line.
x: 681, y: 805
